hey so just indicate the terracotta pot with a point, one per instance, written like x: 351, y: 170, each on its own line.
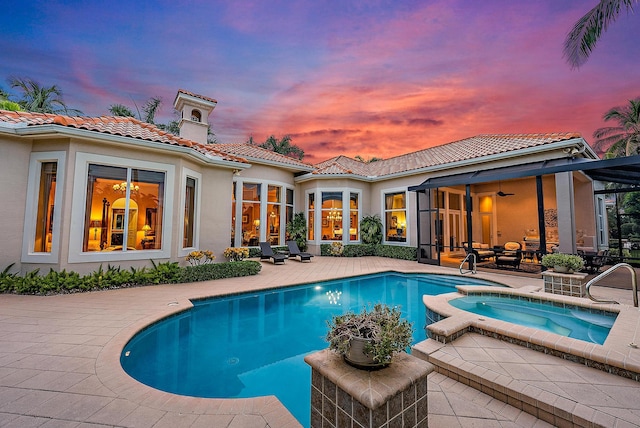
x: 562, y: 269
x: 356, y: 357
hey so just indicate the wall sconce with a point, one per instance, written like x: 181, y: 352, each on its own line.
x: 95, y: 224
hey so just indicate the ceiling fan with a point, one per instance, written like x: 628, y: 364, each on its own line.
x: 501, y: 193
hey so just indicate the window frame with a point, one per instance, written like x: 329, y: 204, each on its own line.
x: 78, y: 206
x: 264, y: 196
x: 383, y: 216
x: 31, y: 207
x: 345, y: 212
x: 189, y: 173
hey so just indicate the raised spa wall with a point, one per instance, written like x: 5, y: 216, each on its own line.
x: 446, y: 323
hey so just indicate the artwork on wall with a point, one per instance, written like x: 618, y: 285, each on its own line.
x: 551, y: 217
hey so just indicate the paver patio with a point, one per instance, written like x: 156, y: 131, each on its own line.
x: 59, y: 357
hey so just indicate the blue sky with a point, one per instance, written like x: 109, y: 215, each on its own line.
x: 379, y: 78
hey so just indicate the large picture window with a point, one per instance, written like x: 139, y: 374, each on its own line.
x: 395, y: 216
x: 124, y: 209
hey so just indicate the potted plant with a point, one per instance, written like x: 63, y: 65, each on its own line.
x: 371, y: 338
x: 234, y: 254
x: 563, y: 263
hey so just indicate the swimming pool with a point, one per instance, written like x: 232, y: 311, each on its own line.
x: 253, y: 344
x: 571, y: 321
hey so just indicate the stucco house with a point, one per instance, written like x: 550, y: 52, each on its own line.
x: 80, y: 192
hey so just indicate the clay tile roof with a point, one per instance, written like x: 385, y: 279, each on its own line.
x: 202, y: 97
x: 120, y: 126
x: 342, y: 165
x: 466, y: 149
x: 258, y: 153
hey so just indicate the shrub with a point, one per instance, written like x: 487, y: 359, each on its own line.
x: 198, y: 257
x: 115, y: 277
x: 362, y: 250
x: 234, y: 254
x: 297, y: 230
x: 220, y: 270
x: 569, y: 261
x: 336, y: 249
x: 371, y: 229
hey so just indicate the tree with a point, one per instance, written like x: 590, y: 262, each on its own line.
x: 371, y: 159
x: 40, y: 99
x: 5, y: 104
x: 624, y: 139
x: 121, y: 110
x: 587, y: 30
x: 297, y: 230
x: 282, y: 146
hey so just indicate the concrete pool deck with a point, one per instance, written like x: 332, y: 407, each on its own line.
x: 59, y: 358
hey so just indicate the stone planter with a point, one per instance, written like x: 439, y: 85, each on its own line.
x: 565, y: 283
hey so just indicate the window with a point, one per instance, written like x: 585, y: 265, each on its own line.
x: 332, y: 216
x: 273, y: 213
x: 395, y: 216
x: 42, y: 213
x: 196, y: 116
x: 251, y: 214
x: 120, y: 207
x: 124, y: 209
x: 189, y: 221
x: 353, y: 217
x: 233, y: 214
x: 289, y: 206
x: 46, y: 205
x: 311, y: 215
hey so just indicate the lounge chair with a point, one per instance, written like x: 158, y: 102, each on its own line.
x: 294, y: 251
x: 268, y: 254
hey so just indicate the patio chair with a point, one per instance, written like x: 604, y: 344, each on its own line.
x: 294, y: 251
x: 511, y: 256
x: 268, y: 254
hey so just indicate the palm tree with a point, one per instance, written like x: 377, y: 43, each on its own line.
x: 121, y: 110
x: 588, y: 29
x: 41, y: 99
x: 624, y: 139
x: 282, y: 146
x: 150, y: 109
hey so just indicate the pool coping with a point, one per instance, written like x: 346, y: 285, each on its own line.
x: 615, y: 356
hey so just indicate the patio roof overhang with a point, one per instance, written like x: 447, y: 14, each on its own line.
x: 624, y: 170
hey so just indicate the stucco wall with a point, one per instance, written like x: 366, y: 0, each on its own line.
x: 14, y: 156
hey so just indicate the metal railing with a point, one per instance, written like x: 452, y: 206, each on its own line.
x: 634, y: 283
x: 473, y: 264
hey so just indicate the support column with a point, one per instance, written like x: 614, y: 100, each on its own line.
x: 566, y: 212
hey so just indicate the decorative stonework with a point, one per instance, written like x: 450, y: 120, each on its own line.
x: 343, y: 396
x: 565, y: 284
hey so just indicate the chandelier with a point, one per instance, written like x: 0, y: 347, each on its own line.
x: 334, y: 215
x: 122, y: 187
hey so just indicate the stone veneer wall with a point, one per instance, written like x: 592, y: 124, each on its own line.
x: 343, y: 396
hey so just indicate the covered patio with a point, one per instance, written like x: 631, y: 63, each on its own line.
x: 553, y: 205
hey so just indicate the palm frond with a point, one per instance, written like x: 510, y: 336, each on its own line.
x: 586, y: 32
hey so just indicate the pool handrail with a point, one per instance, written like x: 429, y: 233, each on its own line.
x: 634, y: 283
x: 473, y: 264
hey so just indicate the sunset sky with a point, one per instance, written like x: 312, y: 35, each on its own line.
x: 378, y: 78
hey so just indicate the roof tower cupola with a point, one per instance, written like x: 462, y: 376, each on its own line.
x: 194, y: 115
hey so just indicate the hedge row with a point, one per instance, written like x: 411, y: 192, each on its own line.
x: 114, y: 277
x: 361, y: 250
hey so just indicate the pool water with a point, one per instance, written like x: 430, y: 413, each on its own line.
x: 253, y: 344
x: 573, y: 321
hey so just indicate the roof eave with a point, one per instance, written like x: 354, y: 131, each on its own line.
x: 51, y: 130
